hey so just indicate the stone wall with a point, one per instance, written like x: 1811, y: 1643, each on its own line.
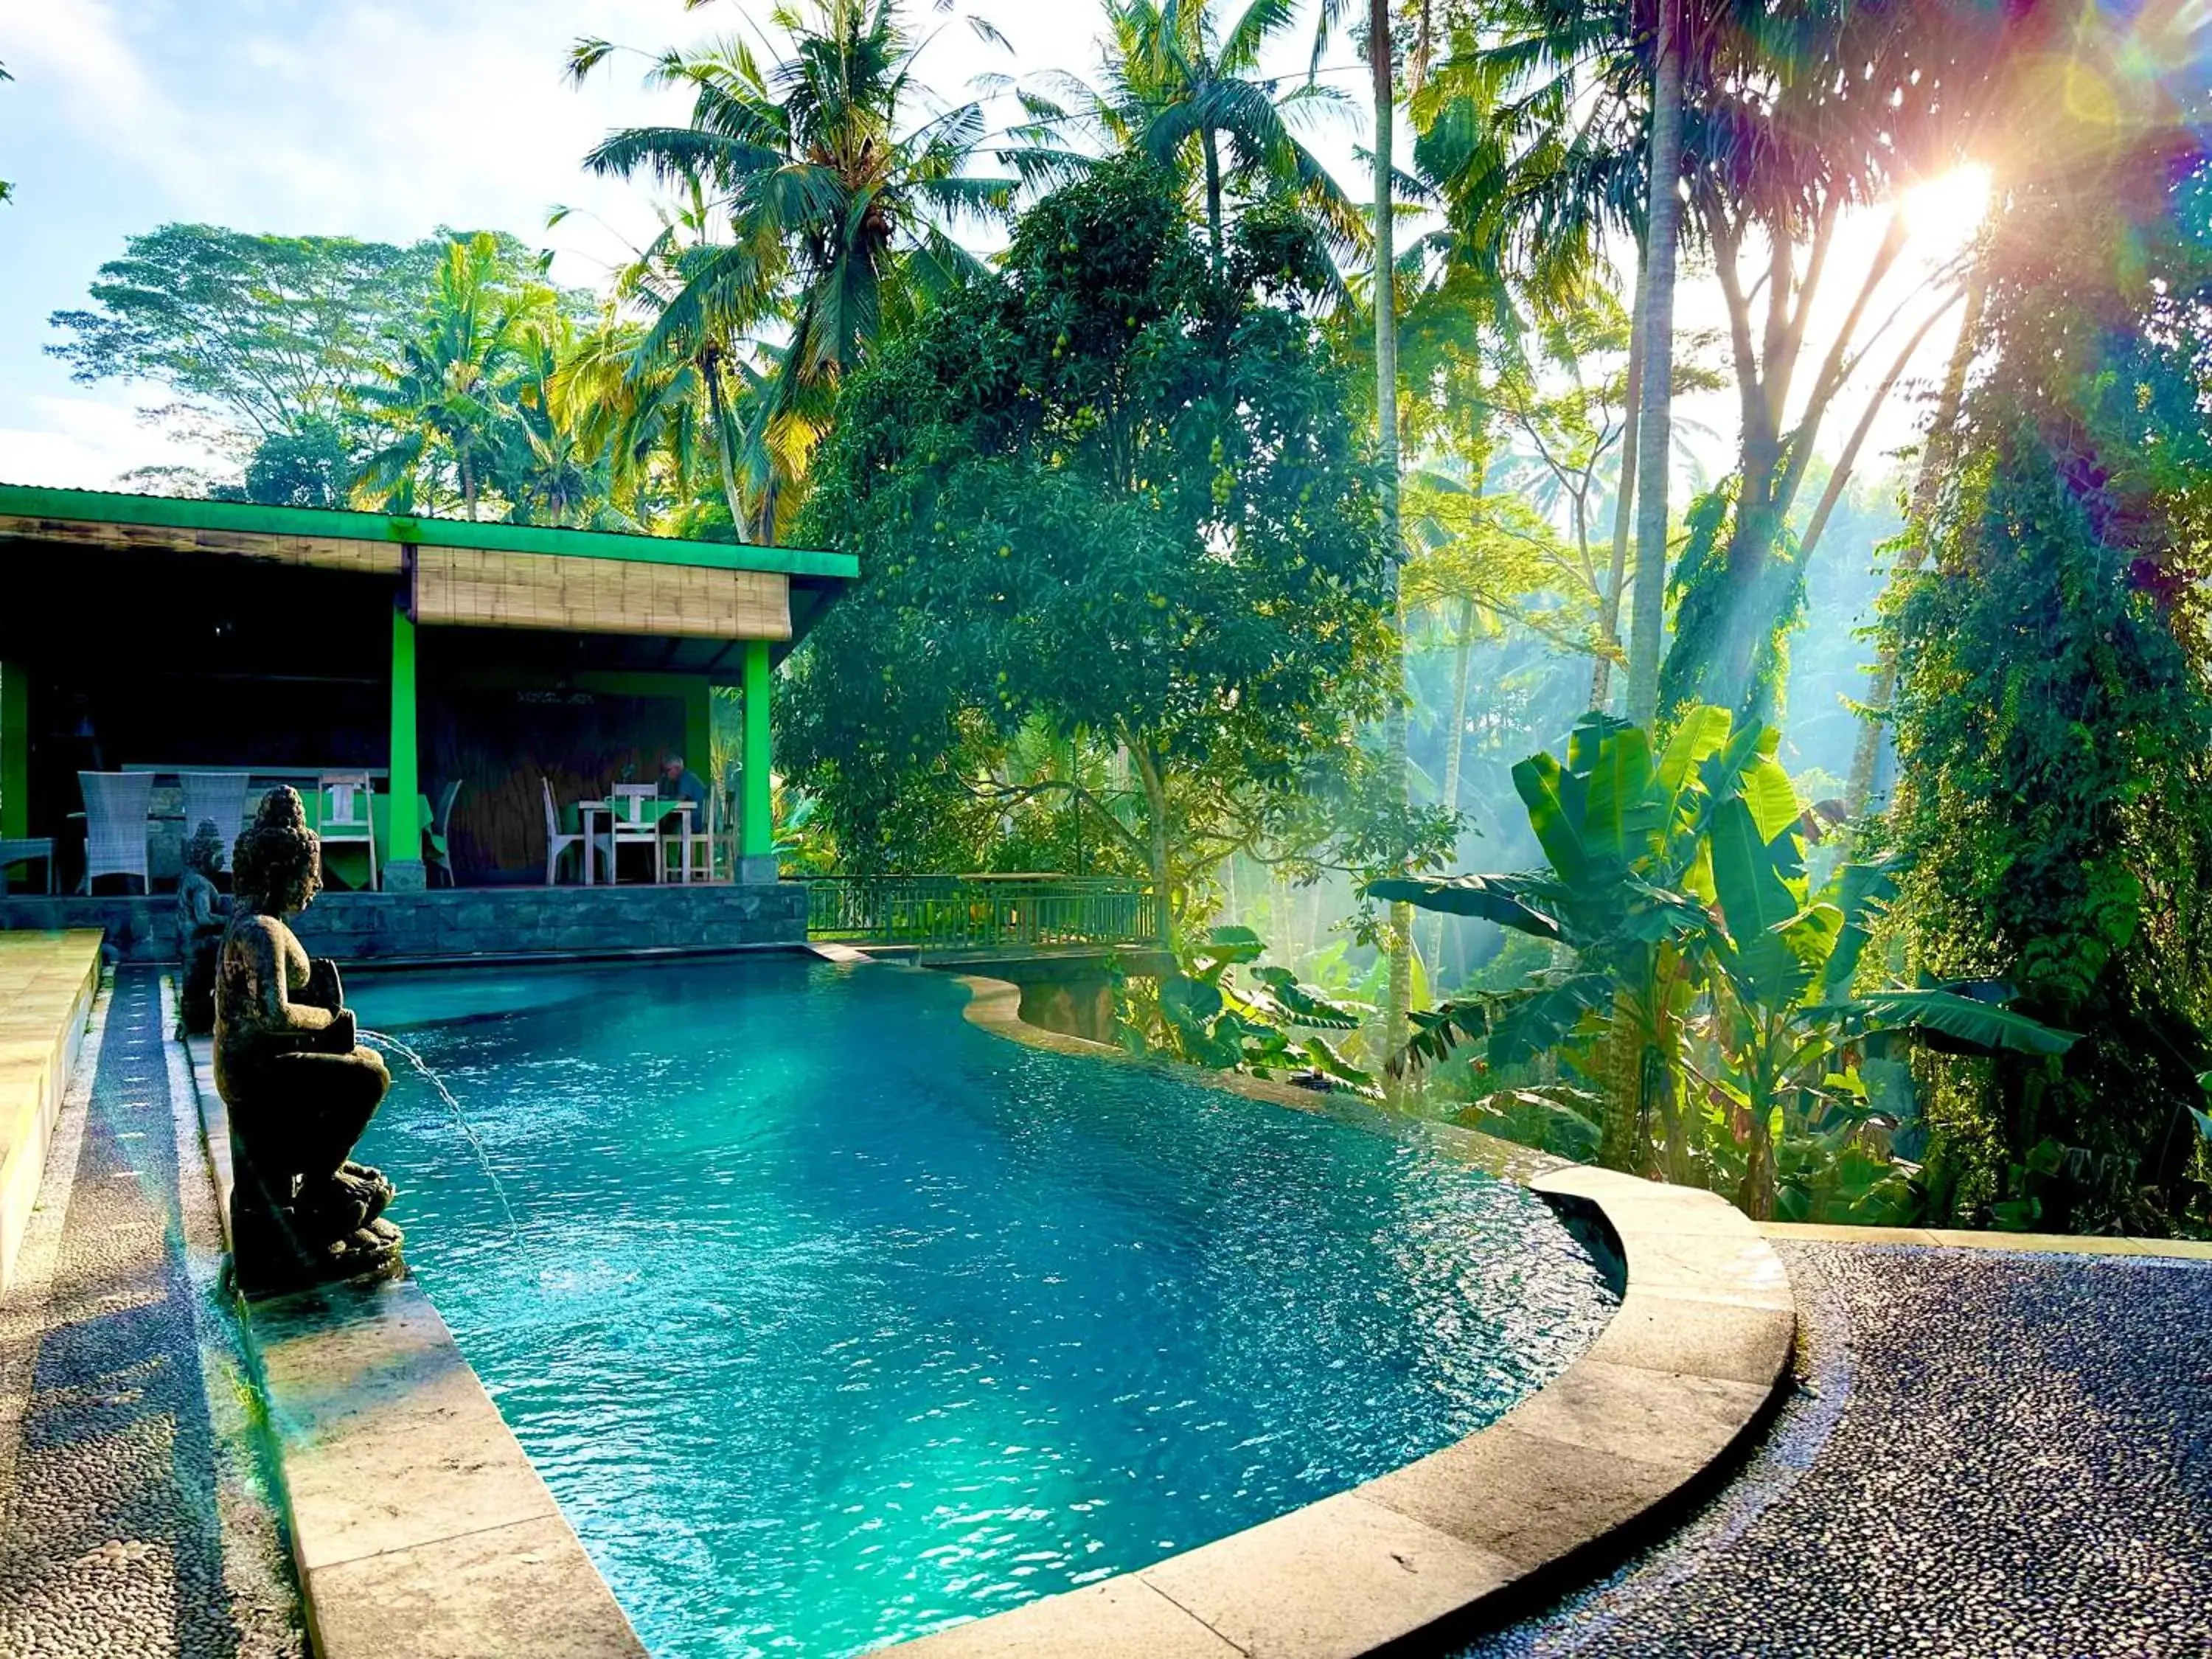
x: 449, y: 924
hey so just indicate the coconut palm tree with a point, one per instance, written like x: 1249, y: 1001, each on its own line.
x: 454, y: 386
x: 1180, y: 83
x: 837, y: 207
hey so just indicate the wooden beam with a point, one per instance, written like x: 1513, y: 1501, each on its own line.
x: 322, y: 552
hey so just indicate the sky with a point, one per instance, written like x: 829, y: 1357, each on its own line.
x: 384, y: 120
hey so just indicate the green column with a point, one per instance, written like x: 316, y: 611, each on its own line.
x: 402, y: 868
x: 14, y: 750
x: 757, y: 831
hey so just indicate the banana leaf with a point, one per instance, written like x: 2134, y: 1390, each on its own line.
x: 1697, y: 736
x: 1587, y: 742
x: 1284, y: 997
x: 1501, y: 899
x: 1977, y: 1027
x: 1863, y: 893
x: 1619, y: 811
x: 1772, y: 797
x: 1330, y: 1063
x: 1753, y: 898
x: 1546, y: 1017
x: 1554, y: 798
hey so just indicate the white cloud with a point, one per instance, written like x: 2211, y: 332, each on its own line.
x: 89, y: 443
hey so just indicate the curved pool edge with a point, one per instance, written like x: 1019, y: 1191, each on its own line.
x: 1684, y: 1375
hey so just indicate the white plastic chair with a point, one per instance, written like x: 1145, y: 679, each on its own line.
x: 115, y: 808
x: 638, y: 813
x: 697, y: 842
x: 348, y: 815
x: 217, y: 798
x: 556, y: 843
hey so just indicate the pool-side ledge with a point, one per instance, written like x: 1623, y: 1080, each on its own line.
x: 1688, y: 1371
x: 419, y: 1527
x: 47, y: 983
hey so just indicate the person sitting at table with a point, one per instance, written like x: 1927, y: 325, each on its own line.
x: 679, y: 783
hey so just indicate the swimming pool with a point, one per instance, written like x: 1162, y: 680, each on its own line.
x: 831, y: 1320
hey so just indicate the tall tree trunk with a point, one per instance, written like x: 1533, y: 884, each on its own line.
x: 711, y: 367
x: 1654, y: 434
x: 1156, y: 819
x: 1624, y: 498
x: 1455, y: 747
x: 1400, y: 992
x: 1934, y: 460
x: 1213, y: 193
x: 468, y: 485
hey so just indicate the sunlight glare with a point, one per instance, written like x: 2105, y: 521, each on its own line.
x: 1949, y: 205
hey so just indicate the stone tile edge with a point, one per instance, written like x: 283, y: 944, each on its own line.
x: 1744, y: 1303
x: 570, y: 1564
x: 1961, y: 1238
x: 23, y: 1157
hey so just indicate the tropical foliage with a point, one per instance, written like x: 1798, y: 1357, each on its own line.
x: 1706, y: 1000
x: 2054, y: 714
x: 1112, y: 494
x: 1253, y: 504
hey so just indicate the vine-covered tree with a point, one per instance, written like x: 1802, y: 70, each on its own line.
x: 1107, y: 491
x: 2054, y: 715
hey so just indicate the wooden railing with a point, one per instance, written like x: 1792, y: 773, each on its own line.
x: 980, y: 912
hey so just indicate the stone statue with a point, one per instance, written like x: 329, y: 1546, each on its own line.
x: 298, y: 1090
x: 201, y: 913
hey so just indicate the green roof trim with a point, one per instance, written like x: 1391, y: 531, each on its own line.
x: 249, y: 518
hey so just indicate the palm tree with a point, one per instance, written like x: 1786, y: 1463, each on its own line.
x: 454, y: 386
x: 839, y: 219
x: 1181, y: 88
x: 1577, y: 113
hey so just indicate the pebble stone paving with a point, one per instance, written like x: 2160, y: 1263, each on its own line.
x: 135, y: 1516
x: 1990, y: 1456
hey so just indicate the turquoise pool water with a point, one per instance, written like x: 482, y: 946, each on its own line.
x: 832, y: 1320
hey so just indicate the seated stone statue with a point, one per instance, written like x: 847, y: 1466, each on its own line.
x: 299, y: 1089
x: 202, y: 914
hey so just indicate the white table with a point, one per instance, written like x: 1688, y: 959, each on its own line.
x: 588, y: 810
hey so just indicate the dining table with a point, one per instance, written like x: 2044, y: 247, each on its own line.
x: 629, y: 811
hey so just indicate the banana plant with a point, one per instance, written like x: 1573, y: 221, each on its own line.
x: 1203, y: 1015
x: 1790, y: 1031
x: 1677, y: 886
x: 1628, y: 896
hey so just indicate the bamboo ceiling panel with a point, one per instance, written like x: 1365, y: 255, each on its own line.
x: 323, y: 552
x: 482, y: 589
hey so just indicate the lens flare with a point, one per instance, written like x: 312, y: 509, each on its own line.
x: 1948, y: 206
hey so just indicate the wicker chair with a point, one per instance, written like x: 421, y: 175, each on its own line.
x: 216, y: 797
x: 115, y: 808
x: 26, y: 851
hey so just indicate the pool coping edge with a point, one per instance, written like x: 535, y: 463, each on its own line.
x: 1651, y: 1417
x: 418, y: 1526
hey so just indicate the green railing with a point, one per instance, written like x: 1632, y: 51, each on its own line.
x: 980, y: 912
